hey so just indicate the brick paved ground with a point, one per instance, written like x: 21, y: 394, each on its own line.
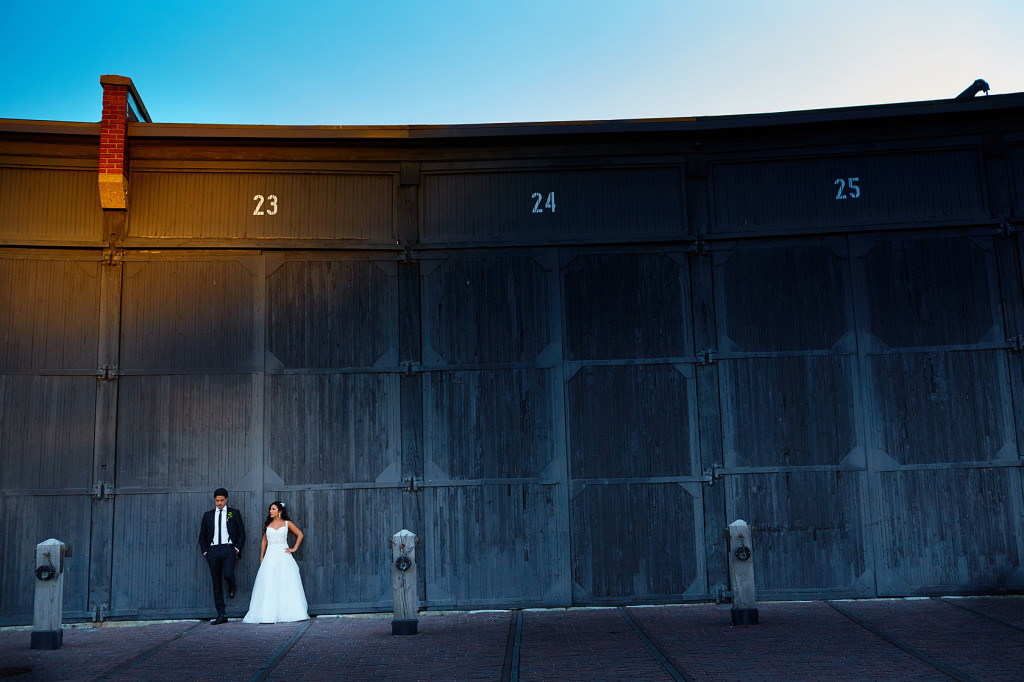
x: 584, y: 644
x: 912, y: 640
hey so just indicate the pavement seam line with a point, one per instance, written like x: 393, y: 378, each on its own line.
x: 900, y: 644
x: 109, y: 675
x: 268, y: 667
x: 513, y: 674
x: 649, y: 643
x: 978, y: 613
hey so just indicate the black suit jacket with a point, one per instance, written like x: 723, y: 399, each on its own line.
x: 236, y: 529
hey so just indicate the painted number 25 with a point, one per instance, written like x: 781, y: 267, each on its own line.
x: 848, y: 188
x: 550, y: 203
x: 271, y: 202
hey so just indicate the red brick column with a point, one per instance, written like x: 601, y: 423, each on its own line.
x: 121, y: 105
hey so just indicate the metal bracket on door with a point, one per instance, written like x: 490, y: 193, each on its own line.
x: 711, y: 474
x: 412, y: 487
x: 102, y: 491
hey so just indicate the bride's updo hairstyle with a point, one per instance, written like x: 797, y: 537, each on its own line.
x: 279, y: 505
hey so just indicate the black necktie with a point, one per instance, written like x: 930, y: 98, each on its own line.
x: 217, y: 538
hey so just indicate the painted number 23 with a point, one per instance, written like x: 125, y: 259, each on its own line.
x: 271, y: 202
x: 847, y: 188
x: 538, y: 197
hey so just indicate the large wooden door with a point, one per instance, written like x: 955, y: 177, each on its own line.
x: 793, y: 445
x: 636, y: 502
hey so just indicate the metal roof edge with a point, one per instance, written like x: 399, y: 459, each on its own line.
x: 17, y: 125
x: 520, y: 129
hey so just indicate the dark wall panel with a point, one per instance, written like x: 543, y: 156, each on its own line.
x: 788, y: 411
x: 633, y: 542
x: 956, y: 528
x: 491, y: 544
x: 46, y: 432
x: 188, y: 314
x: 931, y: 292
x: 331, y: 313
x: 785, y: 297
x: 50, y: 205
x: 49, y: 312
x: 486, y: 309
x: 639, y: 203
x: 630, y: 421
x: 489, y: 423
x: 332, y: 428
x: 625, y: 306
x: 1016, y: 157
x: 808, y: 529
x: 816, y: 193
x: 185, y: 431
x: 943, y: 407
x: 305, y: 206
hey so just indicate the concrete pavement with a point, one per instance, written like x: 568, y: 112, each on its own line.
x: 977, y: 638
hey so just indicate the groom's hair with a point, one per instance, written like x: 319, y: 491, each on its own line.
x: 220, y: 491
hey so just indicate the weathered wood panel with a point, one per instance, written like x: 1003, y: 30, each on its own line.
x: 630, y: 421
x: 29, y: 520
x: 486, y: 309
x: 332, y: 313
x: 198, y: 205
x: 949, y: 529
x: 488, y: 423
x: 943, y: 407
x: 333, y: 428
x: 1016, y: 158
x: 49, y: 310
x: 41, y: 204
x: 491, y: 544
x: 159, y: 570
x: 634, y: 542
x: 345, y: 559
x: 46, y: 432
x: 782, y: 297
x: 933, y: 186
x: 935, y: 291
x: 625, y: 306
x: 787, y: 411
x: 189, y: 314
x: 552, y: 205
x: 184, y: 431
x: 808, y: 530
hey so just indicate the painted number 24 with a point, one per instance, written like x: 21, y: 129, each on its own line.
x: 271, y: 202
x: 848, y: 188
x: 550, y: 203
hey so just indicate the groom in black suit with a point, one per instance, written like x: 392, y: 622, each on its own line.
x: 221, y: 539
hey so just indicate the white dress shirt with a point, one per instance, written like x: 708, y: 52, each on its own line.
x: 220, y: 528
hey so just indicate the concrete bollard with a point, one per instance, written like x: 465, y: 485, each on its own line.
x: 403, y: 582
x: 47, y: 631
x: 741, y: 574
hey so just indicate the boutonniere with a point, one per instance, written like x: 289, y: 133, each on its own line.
x: 230, y: 515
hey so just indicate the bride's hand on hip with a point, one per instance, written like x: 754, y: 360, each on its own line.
x: 290, y: 550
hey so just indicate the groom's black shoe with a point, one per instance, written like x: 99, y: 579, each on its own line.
x: 231, y: 593
x: 219, y: 620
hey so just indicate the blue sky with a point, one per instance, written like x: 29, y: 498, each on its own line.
x: 406, y: 62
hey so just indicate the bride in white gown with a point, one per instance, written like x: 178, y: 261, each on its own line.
x: 277, y: 594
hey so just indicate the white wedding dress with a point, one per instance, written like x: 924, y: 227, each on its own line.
x: 277, y: 594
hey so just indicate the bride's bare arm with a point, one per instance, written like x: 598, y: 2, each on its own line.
x: 298, y: 536
x: 263, y: 546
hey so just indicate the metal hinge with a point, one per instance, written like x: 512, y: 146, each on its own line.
x: 1015, y: 343
x: 99, y: 611
x: 101, y: 490
x: 112, y: 256
x: 410, y: 366
x: 412, y: 487
x: 707, y: 357
x: 107, y: 373
x: 711, y: 474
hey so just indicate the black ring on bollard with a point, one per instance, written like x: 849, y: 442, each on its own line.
x: 46, y: 572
